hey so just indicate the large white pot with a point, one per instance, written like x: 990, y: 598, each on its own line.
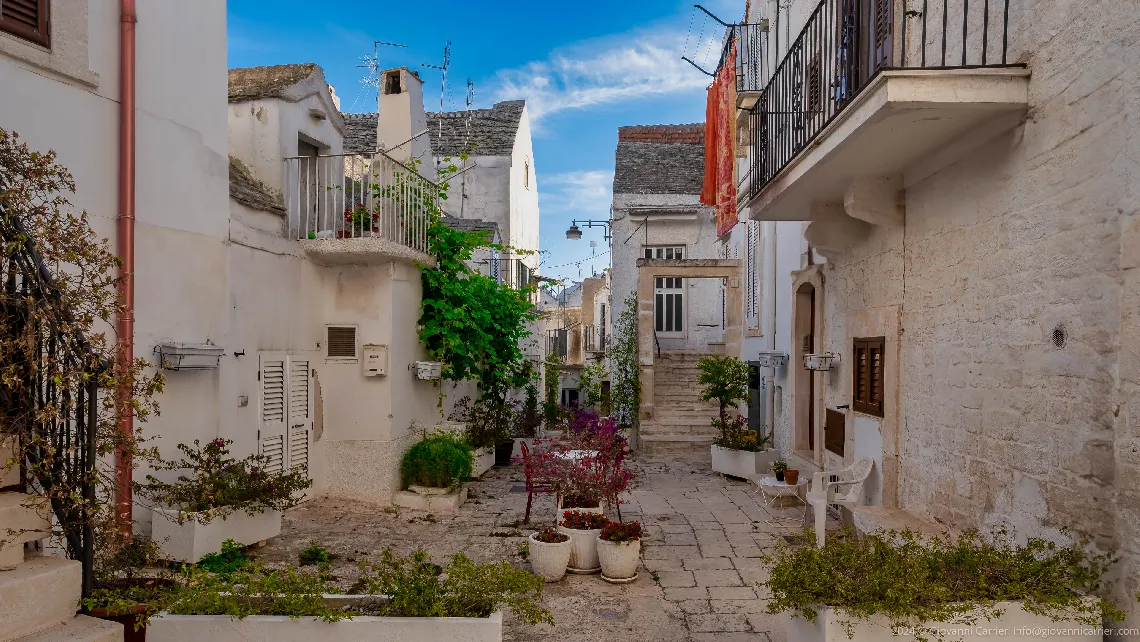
x: 281, y: 628
x: 1015, y: 623
x: 547, y: 560
x: 583, y: 550
x: 619, y: 561
x: 742, y: 463
x: 482, y: 460
x: 190, y: 541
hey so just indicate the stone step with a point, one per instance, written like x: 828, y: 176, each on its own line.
x: 23, y: 518
x: 37, y: 595
x: 80, y: 629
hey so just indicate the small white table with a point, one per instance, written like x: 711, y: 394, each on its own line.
x: 575, y: 455
x: 773, y: 489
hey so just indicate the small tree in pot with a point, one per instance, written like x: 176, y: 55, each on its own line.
x: 737, y: 451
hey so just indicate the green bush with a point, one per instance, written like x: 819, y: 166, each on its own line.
x: 228, y: 560
x: 254, y: 590
x: 314, y: 555
x: 913, y: 581
x: 441, y: 461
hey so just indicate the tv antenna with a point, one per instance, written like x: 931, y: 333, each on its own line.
x: 443, y: 84
x: 372, y: 64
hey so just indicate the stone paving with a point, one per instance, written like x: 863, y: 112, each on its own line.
x: 702, y: 553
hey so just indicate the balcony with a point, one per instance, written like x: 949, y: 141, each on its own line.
x: 878, y: 92
x: 358, y: 209
x: 595, y: 338
x: 751, y: 60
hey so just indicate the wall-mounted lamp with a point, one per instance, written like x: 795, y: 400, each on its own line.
x: 575, y: 233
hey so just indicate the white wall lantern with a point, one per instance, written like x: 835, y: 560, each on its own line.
x: 427, y: 370
x: 772, y: 359
x: 820, y: 362
x: 189, y: 356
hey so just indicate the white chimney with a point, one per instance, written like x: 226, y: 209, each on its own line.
x: 401, y: 116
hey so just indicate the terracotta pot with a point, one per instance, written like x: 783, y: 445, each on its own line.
x: 547, y: 560
x: 791, y: 476
x: 619, y: 561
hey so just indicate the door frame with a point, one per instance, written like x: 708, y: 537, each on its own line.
x: 807, y: 387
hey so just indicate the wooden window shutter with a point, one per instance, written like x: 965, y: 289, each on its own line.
x: 27, y: 19
x: 882, y: 19
x: 867, y: 376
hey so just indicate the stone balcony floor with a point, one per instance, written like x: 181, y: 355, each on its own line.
x: 702, y: 553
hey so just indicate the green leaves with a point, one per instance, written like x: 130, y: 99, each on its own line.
x: 725, y: 380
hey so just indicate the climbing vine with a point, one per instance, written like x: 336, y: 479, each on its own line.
x: 625, y: 374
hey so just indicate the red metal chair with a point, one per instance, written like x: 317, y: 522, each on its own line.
x: 533, y: 483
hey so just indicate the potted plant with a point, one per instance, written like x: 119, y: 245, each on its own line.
x: 487, y: 426
x: 358, y: 221
x: 583, y: 530
x: 549, y: 553
x: 779, y: 467
x: 218, y: 498
x: 129, y: 586
x: 433, y: 471
x: 889, y: 583
x: 619, y: 550
x: 791, y: 476
x: 736, y: 451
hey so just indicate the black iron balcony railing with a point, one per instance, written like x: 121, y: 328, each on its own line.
x: 557, y: 343
x: 843, y: 46
x: 751, y: 55
x: 595, y: 337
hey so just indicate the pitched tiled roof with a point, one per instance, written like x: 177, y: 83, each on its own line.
x: 247, y: 190
x: 251, y: 83
x: 359, y: 133
x: 661, y: 167
x: 492, y: 131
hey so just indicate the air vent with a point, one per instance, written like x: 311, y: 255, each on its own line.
x: 341, y: 342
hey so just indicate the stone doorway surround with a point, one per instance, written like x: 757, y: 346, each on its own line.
x: 648, y: 270
x: 800, y: 381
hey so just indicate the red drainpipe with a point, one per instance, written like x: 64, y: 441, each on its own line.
x: 126, y: 246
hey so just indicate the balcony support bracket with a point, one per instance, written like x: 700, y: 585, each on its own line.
x: 876, y: 200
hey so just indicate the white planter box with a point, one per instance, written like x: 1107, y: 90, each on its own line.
x: 1015, y: 623
x: 280, y: 628
x: 448, y: 501
x: 742, y: 463
x: 189, y: 541
x: 482, y: 460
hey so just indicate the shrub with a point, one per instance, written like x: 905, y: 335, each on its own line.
x: 419, y: 588
x: 735, y: 434
x: 218, y: 484
x: 488, y: 420
x: 621, y: 532
x: 440, y: 461
x: 583, y: 521
x: 231, y: 558
x: 314, y: 554
x: 725, y: 381
x: 254, y: 590
x: 914, y: 581
x: 551, y: 536
x: 779, y: 466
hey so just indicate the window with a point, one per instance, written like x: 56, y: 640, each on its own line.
x: 752, y: 301
x: 669, y: 304
x: 665, y: 252
x: 27, y: 19
x: 867, y: 378
x: 341, y: 342
x: 570, y: 397
x: 392, y: 83
x: 526, y: 173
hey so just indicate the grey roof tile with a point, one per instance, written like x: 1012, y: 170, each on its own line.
x: 251, y: 83
x: 492, y: 131
x: 653, y: 168
x: 359, y: 133
x: 247, y: 190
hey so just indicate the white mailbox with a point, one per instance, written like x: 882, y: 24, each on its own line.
x: 427, y: 370
x: 375, y: 360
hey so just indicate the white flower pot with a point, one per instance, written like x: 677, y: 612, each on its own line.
x: 1015, y: 623
x: 549, y: 561
x: 742, y: 463
x: 482, y: 460
x: 598, y: 510
x: 619, y: 561
x: 190, y: 541
x: 583, y: 550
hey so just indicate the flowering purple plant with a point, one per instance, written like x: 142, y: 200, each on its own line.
x: 217, y: 484
x: 600, y: 475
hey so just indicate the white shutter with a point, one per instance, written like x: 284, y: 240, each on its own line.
x: 300, y: 419
x: 271, y: 430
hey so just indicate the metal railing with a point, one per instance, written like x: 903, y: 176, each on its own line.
x: 595, y: 338
x: 843, y: 47
x: 358, y: 196
x: 751, y: 55
x: 558, y: 342
x: 511, y: 272
x: 50, y: 403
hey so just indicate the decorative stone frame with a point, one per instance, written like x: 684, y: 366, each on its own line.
x: 68, y: 55
x: 797, y: 377
x: 648, y: 270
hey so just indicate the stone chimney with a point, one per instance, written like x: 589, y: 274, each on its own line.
x: 401, y: 116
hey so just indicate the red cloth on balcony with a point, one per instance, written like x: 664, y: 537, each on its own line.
x: 719, y: 188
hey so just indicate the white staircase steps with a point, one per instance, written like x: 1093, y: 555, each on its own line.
x: 23, y: 518
x: 681, y: 420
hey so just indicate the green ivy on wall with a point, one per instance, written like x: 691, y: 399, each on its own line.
x: 625, y: 375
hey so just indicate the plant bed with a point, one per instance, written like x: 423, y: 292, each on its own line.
x: 583, y: 529
x: 482, y: 460
x: 619, y: 551
x: 187, y: 537
x: 549, y: 553
x: 741, y: 463
x: 438, y: 500
x: 433, y: 470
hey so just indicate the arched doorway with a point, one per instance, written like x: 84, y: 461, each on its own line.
x: 805, y: 343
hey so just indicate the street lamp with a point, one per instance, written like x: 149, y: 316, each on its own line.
x: 575, y: 233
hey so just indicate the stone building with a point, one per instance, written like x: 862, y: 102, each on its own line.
x: 977, y: 213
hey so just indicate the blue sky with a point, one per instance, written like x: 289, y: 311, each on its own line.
x: 585, y: 67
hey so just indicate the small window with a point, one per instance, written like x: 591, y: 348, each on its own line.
x: 341, y: 342
x: 526, y: 173
x: 27, y: 19
x: 867, y: 378
x: 665, y: 252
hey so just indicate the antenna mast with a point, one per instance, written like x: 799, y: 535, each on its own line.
x: 443, y: 83
x: 372, y: 64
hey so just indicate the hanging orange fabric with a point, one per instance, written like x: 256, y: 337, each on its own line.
x: 719, y: 189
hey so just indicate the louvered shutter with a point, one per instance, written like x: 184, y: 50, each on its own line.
x: 28, y: 19
x: 300, y: 413
x: 881, y: 19
x: 867, y: 376
x: 271, y: 431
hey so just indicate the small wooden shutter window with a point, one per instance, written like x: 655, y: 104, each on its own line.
x: 27, y: 19
x: 342, y: 342
x: 867, y: 376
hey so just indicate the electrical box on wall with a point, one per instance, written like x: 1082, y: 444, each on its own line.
x: 375, y: 360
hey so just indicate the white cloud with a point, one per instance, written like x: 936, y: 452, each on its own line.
x: 585, y: 194
x: 613, y: 69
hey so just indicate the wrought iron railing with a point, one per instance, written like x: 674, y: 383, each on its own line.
x: 843, y: 46
x: 50, y: 403
x: 595, y: 338
x: 558, y: 342
x: 359, y: 196
x: 751, y: 55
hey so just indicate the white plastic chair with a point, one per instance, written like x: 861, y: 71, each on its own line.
x: 847, y: 491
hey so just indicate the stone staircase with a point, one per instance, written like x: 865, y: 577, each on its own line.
x: 680, y: 419
x: 39, y: 594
